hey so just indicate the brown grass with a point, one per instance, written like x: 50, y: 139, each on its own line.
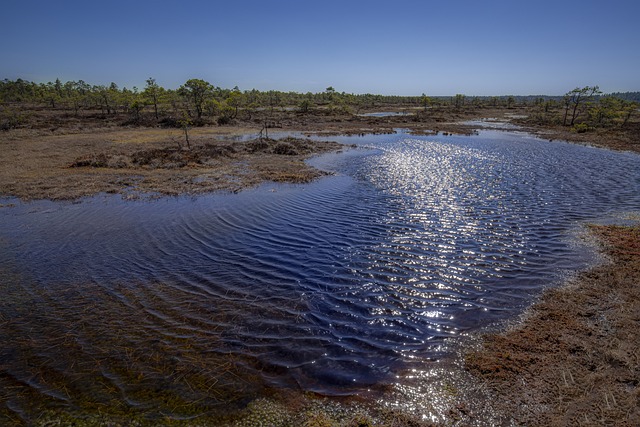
x: 616, y: 138
x: 138, y: 161
x: 36, y: 156
x: 576, y: 358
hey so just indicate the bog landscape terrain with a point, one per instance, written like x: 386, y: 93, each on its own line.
x: 208, y: 256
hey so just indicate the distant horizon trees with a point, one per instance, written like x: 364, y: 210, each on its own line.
x: 203, y: 102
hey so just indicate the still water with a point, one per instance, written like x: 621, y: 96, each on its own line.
x: 334, y: 287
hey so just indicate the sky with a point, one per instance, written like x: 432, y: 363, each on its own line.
x: 391, y: 47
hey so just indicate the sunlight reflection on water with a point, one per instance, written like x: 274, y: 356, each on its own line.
x: 335, y: 287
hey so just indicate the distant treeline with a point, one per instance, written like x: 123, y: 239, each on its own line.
x: 20, y: 90
x: 627, y: 96
x: 198, y: 101
x: 82, y: 94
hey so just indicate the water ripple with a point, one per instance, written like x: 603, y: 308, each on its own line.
x: 332, y: 287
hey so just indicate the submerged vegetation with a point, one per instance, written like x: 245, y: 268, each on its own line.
x: 139, y: 370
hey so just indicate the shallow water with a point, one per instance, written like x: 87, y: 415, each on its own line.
x: 335, y: 287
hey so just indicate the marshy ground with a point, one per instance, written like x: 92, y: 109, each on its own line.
x: 67, y: 156
x: 150, y: 161
x: 573, y: 360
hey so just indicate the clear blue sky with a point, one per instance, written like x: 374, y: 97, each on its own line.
x: 402, y: 47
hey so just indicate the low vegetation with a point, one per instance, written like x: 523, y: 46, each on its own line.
x: 201, y: 155
x: 575, y: 360
x: 146, y: 162
x: 203, y: 103
x: 582, y: 114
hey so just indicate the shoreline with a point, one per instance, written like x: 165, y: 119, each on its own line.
x: 69, y: 164
x: 573, y: 359
x: 137, y: 163
x: 80, y: 157
x: 555, y: 367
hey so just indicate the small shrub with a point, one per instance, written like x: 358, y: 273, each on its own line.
x: 224, y: 120
x: 145, y: 157
x: 118, y: 161
x: 96, y: 161
x: 580, y: 128
x: 213, y: 151
x: 170, y: 122
x: 11, y: 120
x: 257, y: 145
x: 284, y: 148
x: 305, y: 106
